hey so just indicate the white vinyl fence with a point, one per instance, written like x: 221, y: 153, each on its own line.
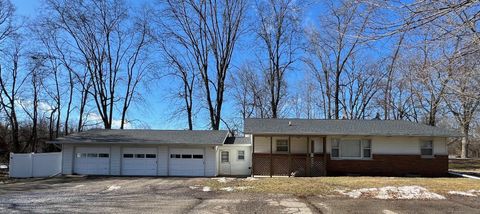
x: 35, y: 165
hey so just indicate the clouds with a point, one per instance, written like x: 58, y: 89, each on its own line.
x: 94, y: 119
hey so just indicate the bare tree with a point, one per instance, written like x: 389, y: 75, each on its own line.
x: 11, y: 82
x: 100, y: 32
x: 463, y: 96
x: 333, y: 45
x: 279, y: 31
x: 207, y: 27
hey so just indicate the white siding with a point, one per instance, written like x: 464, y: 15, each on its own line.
x: 298, y: 144
x: 397, y: 145
x: 211, y: 161
x: 236, y: 167
x: 162, y: 162
x: 262, y: 144
x: 115, y: 160
x: 67, y: 159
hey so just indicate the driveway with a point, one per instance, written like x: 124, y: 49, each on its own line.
x: 184, y: 195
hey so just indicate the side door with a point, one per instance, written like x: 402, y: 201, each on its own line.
x: 225, y: 162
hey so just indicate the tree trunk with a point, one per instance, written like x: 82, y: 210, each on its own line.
x: 464, y: 153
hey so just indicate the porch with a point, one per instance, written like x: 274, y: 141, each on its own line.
x: 289, y: 155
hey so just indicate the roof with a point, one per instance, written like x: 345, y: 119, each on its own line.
x: 143, y: 136
x: 344, y: 127
x: 237, y: 140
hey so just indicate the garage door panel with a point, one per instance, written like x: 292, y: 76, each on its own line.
x: 139, y: 161
x: 186, y: 162
x: 92, y: 160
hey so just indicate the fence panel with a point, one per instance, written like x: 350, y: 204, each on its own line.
x: 35, y: 165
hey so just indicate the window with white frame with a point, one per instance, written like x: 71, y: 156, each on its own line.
x: 282, y: 145
x: 225, y: 157
x: 426, y: 148
x: 351, y: 148
x: 241, y: 155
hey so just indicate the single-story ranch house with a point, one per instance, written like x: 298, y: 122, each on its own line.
x: 271, y: 147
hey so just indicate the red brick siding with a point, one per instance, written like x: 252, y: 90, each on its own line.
x: 391, y: 165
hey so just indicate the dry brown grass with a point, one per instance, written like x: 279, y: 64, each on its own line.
x: 328, y: 185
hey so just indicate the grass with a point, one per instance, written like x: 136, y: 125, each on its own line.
x: 328, y: 185
x: 464, y: 164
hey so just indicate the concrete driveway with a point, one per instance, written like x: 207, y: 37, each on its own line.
x: 182, y: 195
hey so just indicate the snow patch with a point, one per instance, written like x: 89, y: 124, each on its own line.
x: 112, y: 188
x: 223, y: 179
x: 230, y: 189
x: 390, y: 192
x: 251, y: 179
x: 469, y: 193
x: 206, y: 189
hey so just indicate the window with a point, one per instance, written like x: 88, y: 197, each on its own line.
x: 127, y: 155
x: 139, y: 155
x: 92, y: 155
x: 241, y: 155
x: 175, y: 156
x: 335, y: 148
x: 367, y: 148
x: 225, y: 157
x: 81, y: 155
x: 103, y: 155
x: 351, y: 149
x: 186, y: 156
x: 197, y: 156
x: 151, y: 156
x: 426, y: 148
x: 282, y: 145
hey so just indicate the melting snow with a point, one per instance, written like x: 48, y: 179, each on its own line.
x: 251, y: 179
x: 207, y: 189
x: 230, y: 189
x: 112, y: 188
x: 470, y: 193
x: 390, y: 192
x: 223, y: 179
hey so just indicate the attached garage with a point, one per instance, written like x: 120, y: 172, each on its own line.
x: 139, y: 161
x: 92, y: 161
x: 186, y: 162
x: 142, y: 152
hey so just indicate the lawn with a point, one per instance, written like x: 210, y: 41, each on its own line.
x: 329, y: 185
x: 464, y: 165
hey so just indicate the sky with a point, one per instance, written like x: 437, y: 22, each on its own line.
x: 156, y: 112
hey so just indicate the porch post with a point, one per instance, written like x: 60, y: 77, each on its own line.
x: 271, y: 157
x: 253, y: 155
x: 325, y: 154
x: 289, y: 156
x: 307, y: 160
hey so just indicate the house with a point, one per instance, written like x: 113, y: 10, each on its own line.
x: 306, y: 147
x: 154, y: 153
x: 271, y: 147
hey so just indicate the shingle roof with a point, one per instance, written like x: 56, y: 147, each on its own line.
x: 344, y: 127
x: 237, y: 140
x: 137, y: 136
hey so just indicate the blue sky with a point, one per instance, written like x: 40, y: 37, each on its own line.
x: 156, y: 111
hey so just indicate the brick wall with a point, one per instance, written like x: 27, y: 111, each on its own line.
x: 391, y: 165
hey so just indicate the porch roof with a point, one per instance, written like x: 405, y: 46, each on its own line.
x: 344, y: 127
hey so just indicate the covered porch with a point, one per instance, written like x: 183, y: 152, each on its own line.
x: 289, y: 155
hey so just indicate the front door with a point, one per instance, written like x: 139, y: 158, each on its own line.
x: 225, y: 167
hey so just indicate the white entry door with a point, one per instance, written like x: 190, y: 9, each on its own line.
x: 92, y: 161
x: 186, y: 162
x: 225, y: 165
x: 139, y: 161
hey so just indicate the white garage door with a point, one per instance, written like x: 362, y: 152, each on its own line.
x: 186, y: 162
x: 139, y: 161
x: 92, y: 161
